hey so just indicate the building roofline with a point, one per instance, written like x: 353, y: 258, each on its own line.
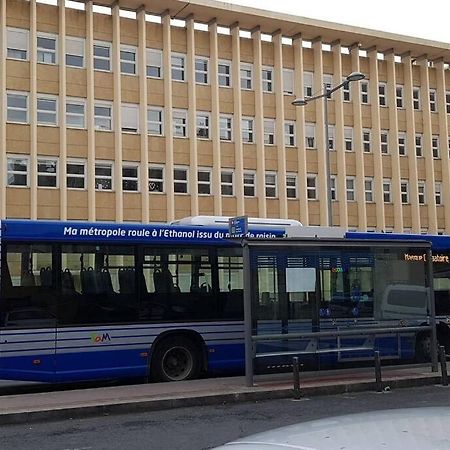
x: 290, y: 25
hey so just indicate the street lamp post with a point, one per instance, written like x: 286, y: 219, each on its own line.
x: 326, y: 94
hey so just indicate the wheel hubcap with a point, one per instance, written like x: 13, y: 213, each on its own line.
x: 177, y: 363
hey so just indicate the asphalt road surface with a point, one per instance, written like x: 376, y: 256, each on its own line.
x: 204, y: 427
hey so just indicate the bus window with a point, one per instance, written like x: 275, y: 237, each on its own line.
x: 98, y: 285
x: 28, y: 287
x: 179, y: 283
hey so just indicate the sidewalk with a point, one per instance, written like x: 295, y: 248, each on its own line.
x: 80, y: 403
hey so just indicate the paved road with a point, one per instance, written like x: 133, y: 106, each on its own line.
x: 204, y: 427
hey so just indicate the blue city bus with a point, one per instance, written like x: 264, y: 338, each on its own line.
x: 83, y: 301
x: 440, y: 245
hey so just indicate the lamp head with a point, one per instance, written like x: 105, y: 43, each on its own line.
x: 300, y: 102
x: 355, y: 76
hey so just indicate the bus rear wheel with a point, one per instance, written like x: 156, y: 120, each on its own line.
x: 176, y: 358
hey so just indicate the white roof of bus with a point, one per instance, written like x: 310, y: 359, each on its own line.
x: 223, y: 220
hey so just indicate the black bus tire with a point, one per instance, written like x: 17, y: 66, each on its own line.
x: 175, y: 358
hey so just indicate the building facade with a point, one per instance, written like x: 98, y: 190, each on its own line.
x: 151, y: 110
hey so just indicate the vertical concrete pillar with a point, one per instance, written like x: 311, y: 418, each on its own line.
x: 300, y: 130
x: 215, y: 116
x: 259, y: 124
x: 167, y: 52
x: 3, y: 156
x: 357, y: 143
x: 90, y: 97
x: 341, y: 196
x: 142, y: 71
x: 279, y: 112
x: 376, y: 143
x: 238, y: 152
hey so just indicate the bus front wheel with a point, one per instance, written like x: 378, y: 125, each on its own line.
x: 176, y: 358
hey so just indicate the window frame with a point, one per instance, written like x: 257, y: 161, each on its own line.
x: 43, y: 50
x: 179, y: 181
x: 416, y: 98
x: 402, y: 143
x: 225, y: 76
x: 250, y: 130
x: 418, y: 145
x: 387, y: 183
x: 181, y: 68
x: 180, y: 114
x: 421, y: 192
x: 127, y: 178
x: 267, y: 83
x: 124, y: 107
x: 203, y: 73
x: 291, y: 187
x: 103, y: 104
x: 384, y: 142
x: 148, y: 53
x: 102, y: 44
x: 311, y: 190
x: 350, y: 192
x: 152, y: 179
x: 226, y: 184
x: 77, y: 40
x: 51, y: 175
x: 432, y: 95
x: 130, y: 49
x: 104, y: 164
x: 289, y: 137
x: 77, y: 102
x: 271, y: 187
x: 249, y: 185
x: 248, y: 67
x: 160, y: 123
x: 229, y: 120
x: 17, y: 157
x: 288, y: 81
x: 399, y: 99
x: 269, y: 131
x: 47, y: 98
x: 26, y: 95
x: 365, y: 92
x: 435, y: 146
x: 404, y: 193
x: 206, y: 127
x: 26, y: 47
x: 76, y: 176
x: 207, y: 183
x: 310, y: 138
x: 368, y: 190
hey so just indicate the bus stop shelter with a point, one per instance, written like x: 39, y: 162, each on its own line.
x: 336, y: 301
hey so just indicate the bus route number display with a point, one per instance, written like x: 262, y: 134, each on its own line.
x: 238, y: 226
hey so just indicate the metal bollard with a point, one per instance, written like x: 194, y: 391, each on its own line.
x: 443, y: 361
x: 378, y: 381
x: 296, y: 372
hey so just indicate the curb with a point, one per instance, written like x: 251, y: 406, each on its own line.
x: 79, y: 412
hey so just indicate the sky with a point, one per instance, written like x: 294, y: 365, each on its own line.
x: 429, y: 19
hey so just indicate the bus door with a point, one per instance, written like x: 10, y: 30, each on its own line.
x: 345, y: 288
x: 28, y: 312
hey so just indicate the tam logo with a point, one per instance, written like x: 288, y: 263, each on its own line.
x: 99, y: 338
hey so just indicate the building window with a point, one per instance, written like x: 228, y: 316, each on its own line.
x: 364, y: 85
x: 155, y: 121
x: 46, y: 48
x: 387, y: 191
x: 17, y: 107
x: 178, y: 67
x: 327, y: 80
x: 130, y: 118
x: 204, y: 181
x: 246, y: 76
x: 404, y: 190
x: 307, y: 84
x: 271, y: 185
x: 247, y: 131
x: 331, y: 135
x: 226, y: 128
x: 384, y: 136
x: 368, y: 189
x: 350, y: 188
x: 47, y: 172
x: 103, y: 176
x: 435, y: 146
x: 291, y: 185
x: 75, y: 52
x: 203, y: 125
x: 289, y: 134
x: 348, y: 139
x: 399, y: 96
x: 433, y: 107
x: 419, y: 149
x: 75, y: 171
x: 224, y: 73
x: 382, y: 94
x: 447, y: 102
x: 269, y: 131
x: 201, y: 70
x: 416, y: 98
x: 180, y: 180
x: 402, y: 143
x: 333, y: 187
x: 437, y: 192
x: 47, y: 110
x: 249, y: 184
x: 310, y: 135
x: 346, y: 93
x: 421, y: 192
x: 179, y: 123
x: 366, y: 141
x: 130, y: 177
x: 267, y: 79
x: 154, y: 63
x: 288, y: 81
x: 103, y: 116
x: 226, y: 182
x: 17, y: 40
x: 75, y: 113
x: 17, y: 171
x: 128, y: 60
x: 311, y: 187
x: 155, y: 179
x: 102, y: 56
